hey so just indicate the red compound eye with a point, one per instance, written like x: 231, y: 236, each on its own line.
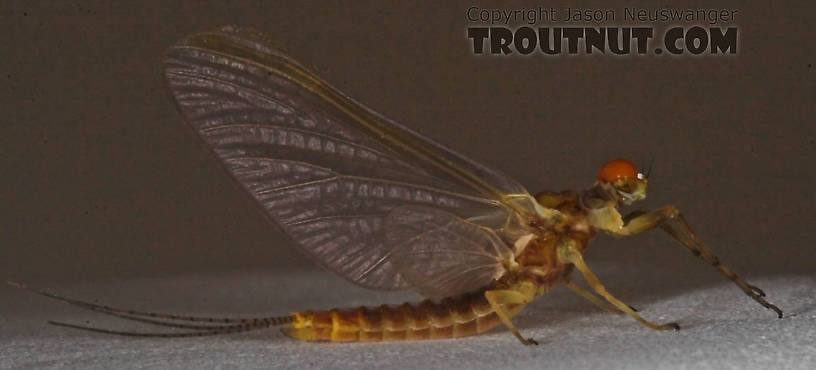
x: 617, y: 169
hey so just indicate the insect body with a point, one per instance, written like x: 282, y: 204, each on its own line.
x: 387, y: 208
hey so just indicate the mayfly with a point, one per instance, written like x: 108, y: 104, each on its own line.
x: 387, y: 208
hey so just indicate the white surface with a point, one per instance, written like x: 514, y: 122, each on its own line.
x: 722, y: 328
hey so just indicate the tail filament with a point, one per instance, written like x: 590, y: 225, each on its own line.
x: 214, y: 326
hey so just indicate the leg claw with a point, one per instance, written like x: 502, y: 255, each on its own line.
x: 672, y: 326
x: 530, y: 341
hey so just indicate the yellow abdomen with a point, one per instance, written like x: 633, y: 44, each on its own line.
x: 451, y: 318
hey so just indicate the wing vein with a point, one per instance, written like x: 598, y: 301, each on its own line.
x: 384, y: 181
x: 334, y: 217
x: 318, y: 134
x: 424, y: 153
x: 353, y: 188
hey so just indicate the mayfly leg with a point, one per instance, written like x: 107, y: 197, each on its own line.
x: 499, y: 298
x: 642, y: 220
x: 593, y: 298
x: 568, y: 254
x: 699, y: 249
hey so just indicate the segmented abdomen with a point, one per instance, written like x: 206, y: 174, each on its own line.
x: 451, y: 318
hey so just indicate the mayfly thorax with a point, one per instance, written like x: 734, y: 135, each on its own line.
x: 386, y: 208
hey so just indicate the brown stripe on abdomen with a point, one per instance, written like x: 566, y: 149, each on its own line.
x: 451, y: 318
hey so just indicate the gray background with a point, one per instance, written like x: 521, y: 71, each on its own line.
x: 106, y: 190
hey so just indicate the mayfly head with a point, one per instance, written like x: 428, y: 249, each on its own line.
x: 624, y: 179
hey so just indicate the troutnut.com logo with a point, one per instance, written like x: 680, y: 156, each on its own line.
x: 627, y: 31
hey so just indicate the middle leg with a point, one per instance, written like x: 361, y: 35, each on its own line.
x: 568, y: 254
x: 593, y: 298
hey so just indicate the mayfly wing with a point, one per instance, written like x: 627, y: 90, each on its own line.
x: 325, y: 168
x: 440, y: 254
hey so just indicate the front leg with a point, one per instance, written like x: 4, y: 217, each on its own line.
x: 642, y: 220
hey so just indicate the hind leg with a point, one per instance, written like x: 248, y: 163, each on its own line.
x: 499, y: 298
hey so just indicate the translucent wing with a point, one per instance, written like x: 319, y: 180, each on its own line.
x: 440, y: 254
x: 325, y: 168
